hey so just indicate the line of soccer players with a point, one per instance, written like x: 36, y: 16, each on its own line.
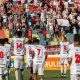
x: 35, y: 57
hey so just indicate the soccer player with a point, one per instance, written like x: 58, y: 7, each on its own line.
x: 29, y: 63
x: 8, y: 47
x: 3, y: 61
x: 74, y: 59
x: 39, y: 60
x: 8, y: 52
x: 18, y: 45
x: 63, y: 56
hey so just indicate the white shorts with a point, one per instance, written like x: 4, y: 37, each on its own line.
x: 64, y: 60
x: 38, y: 68
x: 3, y: 70
x: 74, y: 77
x: 18, y: 62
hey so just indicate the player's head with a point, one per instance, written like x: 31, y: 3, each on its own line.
x: 65, y: 39
x: 19, y: 33
x: 30, y: 42
x: 76, y: 39
x: 36, y: 41
x: 2, y: 41
x: 6, y: 40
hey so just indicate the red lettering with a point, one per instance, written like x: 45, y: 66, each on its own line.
x: 1, y: 54
x: 38, y: 51
x: 19, y: 45
x: 77, y: 58
x: 65, y: 48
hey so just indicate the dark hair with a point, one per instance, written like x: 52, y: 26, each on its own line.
x: 30, y: 41
x: 2, y: 41
x: 76, y: 37
x: 6, y: 40
x: 65, y: 38
x: 19, y: 33
x: 36, y: 41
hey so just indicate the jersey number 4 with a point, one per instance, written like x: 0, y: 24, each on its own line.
x: 1, y: 54
x: 77, y: 58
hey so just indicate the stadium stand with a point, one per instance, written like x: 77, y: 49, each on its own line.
x: 44, y: 18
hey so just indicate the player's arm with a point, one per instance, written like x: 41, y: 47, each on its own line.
x: 46, y: 54
x: 12, y: 47
x: 70, y: 60
x: 70, y: 57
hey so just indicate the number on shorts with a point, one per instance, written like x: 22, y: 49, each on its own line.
x: 77, y: 56
x: 1, y: 54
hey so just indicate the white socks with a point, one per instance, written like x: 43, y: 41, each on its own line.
x: 61, y: 69
x: 65, y: 69
x: 1, y: 77
x: 16, y: 74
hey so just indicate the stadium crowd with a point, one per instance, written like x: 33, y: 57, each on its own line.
x: 50, y: 21
x: 47, y: 18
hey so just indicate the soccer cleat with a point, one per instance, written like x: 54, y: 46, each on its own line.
x: 62, y: 75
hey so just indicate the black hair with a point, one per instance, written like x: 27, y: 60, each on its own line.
x: 76, y: 37
x: 19, y: 33
x: 6, y: 40
x: 36, y: 41
x: 2, y: 41
x: 30, y: 41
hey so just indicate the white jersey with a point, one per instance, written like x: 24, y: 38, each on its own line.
x: 71, y: 46
x: 8, y: 46
x: 64, y: 48
x: 75, y: 65
x: 28, y: 48
x: 18, y: 44
x: 3, y: 56
x: 39, y: 57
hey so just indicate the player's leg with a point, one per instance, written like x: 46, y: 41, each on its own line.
x: 30, y: 70
x: 21, y: 73
x: 1, y: 77
x: 31, y: 73
x: 40, y: 71
x: 35, y: 71
x: 16, y: 66
x: 73, y: 77
x: 62, y: 66
x: 16, y: 73
x: 5, y: 77
x: 65, y: 67
x: 1, y: 73
x: 5, y: 70
x: 21, y: 66
x: 79, y: 77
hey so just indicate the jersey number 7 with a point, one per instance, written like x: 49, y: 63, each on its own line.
x: 38, y: 51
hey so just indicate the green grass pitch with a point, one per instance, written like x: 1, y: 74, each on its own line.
x: 48, y: 75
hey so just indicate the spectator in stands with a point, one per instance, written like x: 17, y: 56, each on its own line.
x: 40, y: 15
